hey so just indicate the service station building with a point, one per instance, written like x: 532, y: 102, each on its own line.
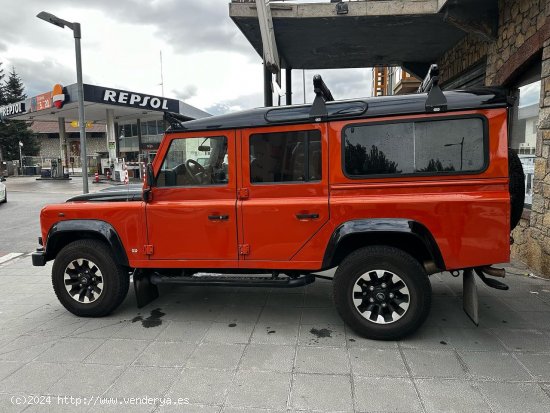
x: 120, y: 124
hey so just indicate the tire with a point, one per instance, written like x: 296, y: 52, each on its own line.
x: 370, y: 267
x: 109, y: 278
x: 517, y: 188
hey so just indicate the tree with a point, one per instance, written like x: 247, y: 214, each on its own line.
x: 14, y: 90
x: 435, y: 165
x: 2, y: 96
x: 361, y: 162
x: 14, y: 131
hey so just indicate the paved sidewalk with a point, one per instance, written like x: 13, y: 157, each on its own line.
x: 239, y: 350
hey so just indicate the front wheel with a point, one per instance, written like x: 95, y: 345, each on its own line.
x: 382, y: 292
x: 87, y: 280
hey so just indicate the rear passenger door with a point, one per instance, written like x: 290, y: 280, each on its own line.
x: 283, y: 195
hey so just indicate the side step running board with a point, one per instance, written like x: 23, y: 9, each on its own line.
x: 157, y: 279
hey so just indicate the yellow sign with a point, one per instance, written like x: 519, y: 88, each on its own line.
x: 76, y: 124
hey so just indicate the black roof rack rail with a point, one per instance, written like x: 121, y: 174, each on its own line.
x: 322, y: 95
x: 436, y: 101
x: 175, y: 120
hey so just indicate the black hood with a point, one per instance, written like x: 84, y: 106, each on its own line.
x: 119, y: 193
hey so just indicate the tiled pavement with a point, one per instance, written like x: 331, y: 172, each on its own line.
x: 238, y: 350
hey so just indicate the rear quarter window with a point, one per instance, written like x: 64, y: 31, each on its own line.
x: 415, y: 147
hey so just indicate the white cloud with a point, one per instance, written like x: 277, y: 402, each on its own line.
x: 207, y: 61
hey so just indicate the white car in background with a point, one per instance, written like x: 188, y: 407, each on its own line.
x: 3, y: 191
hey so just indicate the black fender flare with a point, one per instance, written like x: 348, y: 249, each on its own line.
x: 63, y: 232
x: 377, y: 227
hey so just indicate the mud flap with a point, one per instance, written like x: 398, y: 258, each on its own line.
x: 145, y: 290
x: 469, y: 295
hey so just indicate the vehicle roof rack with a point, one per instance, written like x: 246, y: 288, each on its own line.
x: 436, y: 101
x: 322, y: 95
x: 175, y: 120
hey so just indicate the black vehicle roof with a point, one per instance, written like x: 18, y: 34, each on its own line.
x: 482, y: 98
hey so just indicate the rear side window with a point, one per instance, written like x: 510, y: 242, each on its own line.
x: 285, y: 157
x: 421, y: 147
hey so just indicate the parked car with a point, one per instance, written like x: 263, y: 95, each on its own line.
x: 3, y: 191
x: 387, y: 190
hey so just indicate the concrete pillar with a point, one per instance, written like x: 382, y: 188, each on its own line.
x: 288, y: 85
x: 139, y: 136
x: 111, y: 135
x: 63, y: 153
x: 268, y: 91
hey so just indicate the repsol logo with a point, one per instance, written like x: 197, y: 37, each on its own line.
x: 135, y: 99
x: 12, y: 109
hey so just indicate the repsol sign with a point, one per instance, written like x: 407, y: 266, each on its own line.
x: 12, y: 109
x: 126, y: 98
x: 135, y: 99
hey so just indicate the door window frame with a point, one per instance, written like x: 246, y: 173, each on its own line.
x: 229, y: 135
x: 244, y: 148
x: 486, y: 149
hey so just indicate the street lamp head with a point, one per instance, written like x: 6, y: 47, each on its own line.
x: 50, y: 18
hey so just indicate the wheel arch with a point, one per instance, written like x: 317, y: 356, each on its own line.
x: 405, y: 234
x: 63, y: 233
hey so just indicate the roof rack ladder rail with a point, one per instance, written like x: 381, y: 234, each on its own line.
x: 436, y: 101
x: 174, y: 119
x: 322, y: 94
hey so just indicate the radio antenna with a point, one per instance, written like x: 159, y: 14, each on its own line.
x: 161, y: 76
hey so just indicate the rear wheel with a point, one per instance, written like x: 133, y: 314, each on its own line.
x: 87, y: 280
x: 382, y: 292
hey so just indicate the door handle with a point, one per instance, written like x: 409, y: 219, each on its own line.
x: 218, y: 217
x: 307, y: 216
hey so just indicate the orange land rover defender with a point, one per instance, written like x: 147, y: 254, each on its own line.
x: 385, y: 190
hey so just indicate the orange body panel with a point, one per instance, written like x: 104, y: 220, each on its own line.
x: 269, y: 216
x: 178, y: 226
x: 127, y: 218
x: 468, y: 215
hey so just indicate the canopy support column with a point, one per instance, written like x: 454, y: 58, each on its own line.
x: 288, y: 85
x: 63, y: 155
x: 111, y: 135
x: 268, y: 91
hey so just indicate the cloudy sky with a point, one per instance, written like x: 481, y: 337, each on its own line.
x: 207, y: 61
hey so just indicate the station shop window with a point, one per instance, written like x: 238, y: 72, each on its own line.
x: 152, y: 127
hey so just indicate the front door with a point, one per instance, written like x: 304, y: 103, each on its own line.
x: 284, y: 189
x: 192, y: 211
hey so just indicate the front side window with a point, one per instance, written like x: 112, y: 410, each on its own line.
x: 195, y: 161
x: 285, y: 157
x: 415, y: 147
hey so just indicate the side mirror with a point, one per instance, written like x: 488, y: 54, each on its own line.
x: 150, y: 175
x: 149, y: 179
x: 3, y: 179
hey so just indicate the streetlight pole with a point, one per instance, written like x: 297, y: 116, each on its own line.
x: 461, y: 150
x: 75, y: 27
